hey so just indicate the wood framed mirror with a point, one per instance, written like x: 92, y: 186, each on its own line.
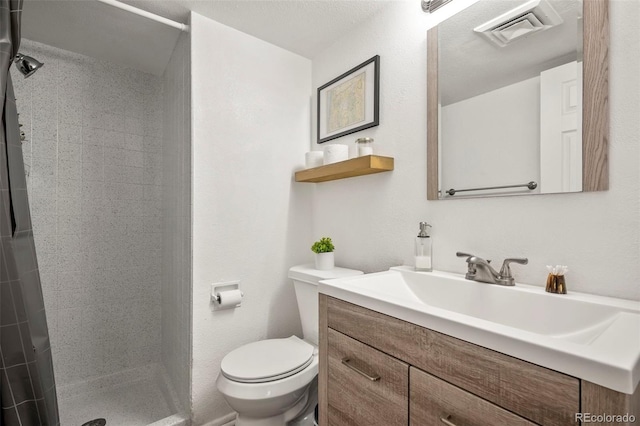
x: 460, y: 163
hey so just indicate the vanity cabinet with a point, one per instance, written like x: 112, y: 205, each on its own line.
x: 428, y: 378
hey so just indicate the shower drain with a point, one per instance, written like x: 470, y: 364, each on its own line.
x: 95, y: 422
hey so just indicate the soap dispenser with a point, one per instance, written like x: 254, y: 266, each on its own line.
x: 423, y: 249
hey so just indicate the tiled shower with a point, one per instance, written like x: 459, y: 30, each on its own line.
x: 111, y: 232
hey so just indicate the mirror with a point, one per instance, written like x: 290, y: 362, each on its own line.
x: 517, y: 97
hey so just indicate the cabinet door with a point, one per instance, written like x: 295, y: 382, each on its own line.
x: 365, y: 386
x: 434, y: 402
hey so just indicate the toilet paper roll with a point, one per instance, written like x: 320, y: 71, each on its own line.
x: 336, y: 152
x: 229, y: 299
x: 313, y: 159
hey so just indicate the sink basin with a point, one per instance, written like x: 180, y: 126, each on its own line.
x: 590, y: 337
x: 523, y: 307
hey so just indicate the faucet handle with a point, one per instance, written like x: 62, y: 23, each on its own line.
x: 505, y: 271
x: 467, y: 255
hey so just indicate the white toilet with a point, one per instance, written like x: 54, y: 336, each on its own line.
x: 267, y: 382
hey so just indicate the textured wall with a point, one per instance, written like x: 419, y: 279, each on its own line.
x: 373, y: 219
x: 250, y: 106
x: 93, y: 152
x: 176, y: 221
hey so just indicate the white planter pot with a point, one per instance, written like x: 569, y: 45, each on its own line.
x: 324, y: 261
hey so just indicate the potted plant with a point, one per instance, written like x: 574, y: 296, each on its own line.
x: 324, y: 253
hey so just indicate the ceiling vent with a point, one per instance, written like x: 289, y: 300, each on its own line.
x: 526, y: 19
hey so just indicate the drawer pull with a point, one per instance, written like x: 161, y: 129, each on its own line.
x: 446, y: 421
x: 347, y: 362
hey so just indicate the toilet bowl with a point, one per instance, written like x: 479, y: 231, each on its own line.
x: 273, y: 399
x: 267, y: 382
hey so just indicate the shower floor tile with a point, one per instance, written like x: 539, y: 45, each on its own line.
x: 137, y: 402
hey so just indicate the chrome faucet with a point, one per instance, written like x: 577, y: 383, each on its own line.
x: 480, y: 270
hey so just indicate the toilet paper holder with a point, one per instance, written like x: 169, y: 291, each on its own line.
x: 231, y: 290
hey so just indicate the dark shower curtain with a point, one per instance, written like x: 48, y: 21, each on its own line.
x: 28, y: 393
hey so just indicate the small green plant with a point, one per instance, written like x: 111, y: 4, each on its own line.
x: 323, y: 246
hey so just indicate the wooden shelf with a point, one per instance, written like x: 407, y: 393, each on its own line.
x: 359, y: 166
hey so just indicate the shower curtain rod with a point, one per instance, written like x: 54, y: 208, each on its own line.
x: 153, y: 16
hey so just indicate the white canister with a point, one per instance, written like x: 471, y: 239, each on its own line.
x: 365, y: 146
x: 365, y: 150
x: 335, y: 153
x: 313, y: 159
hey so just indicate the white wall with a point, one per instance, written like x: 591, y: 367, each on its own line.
x: 250, y: 130
x: 176, y: 221
x: 373, y: 219
x: 504, y: 121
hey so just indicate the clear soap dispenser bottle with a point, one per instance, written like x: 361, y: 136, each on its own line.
x: 423, y: 249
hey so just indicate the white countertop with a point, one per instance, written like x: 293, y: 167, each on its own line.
x: 590, y: 337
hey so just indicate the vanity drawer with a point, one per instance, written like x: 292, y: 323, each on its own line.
x: 434, y: 402
x: 536, y: 393
x: 366, y: 387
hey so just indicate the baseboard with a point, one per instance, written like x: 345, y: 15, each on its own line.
x: 228, y: 420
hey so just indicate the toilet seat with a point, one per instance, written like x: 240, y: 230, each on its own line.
x: 267, y: 360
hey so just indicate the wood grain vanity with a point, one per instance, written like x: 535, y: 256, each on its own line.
x: 380, y: 370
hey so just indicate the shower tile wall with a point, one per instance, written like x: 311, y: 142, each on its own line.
x: 93, y: 152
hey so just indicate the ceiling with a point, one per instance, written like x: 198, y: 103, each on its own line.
x: 462, y: 50
x: 305, y: 27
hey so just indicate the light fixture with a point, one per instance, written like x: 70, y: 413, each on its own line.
x: 430, y: 6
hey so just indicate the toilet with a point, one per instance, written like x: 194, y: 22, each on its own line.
x: 268, y: 382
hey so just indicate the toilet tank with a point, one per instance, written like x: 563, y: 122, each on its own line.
x: 305, y: 280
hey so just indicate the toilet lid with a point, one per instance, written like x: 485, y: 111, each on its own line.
x: 267, y: 360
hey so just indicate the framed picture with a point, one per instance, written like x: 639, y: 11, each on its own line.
x: 350, y: 102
